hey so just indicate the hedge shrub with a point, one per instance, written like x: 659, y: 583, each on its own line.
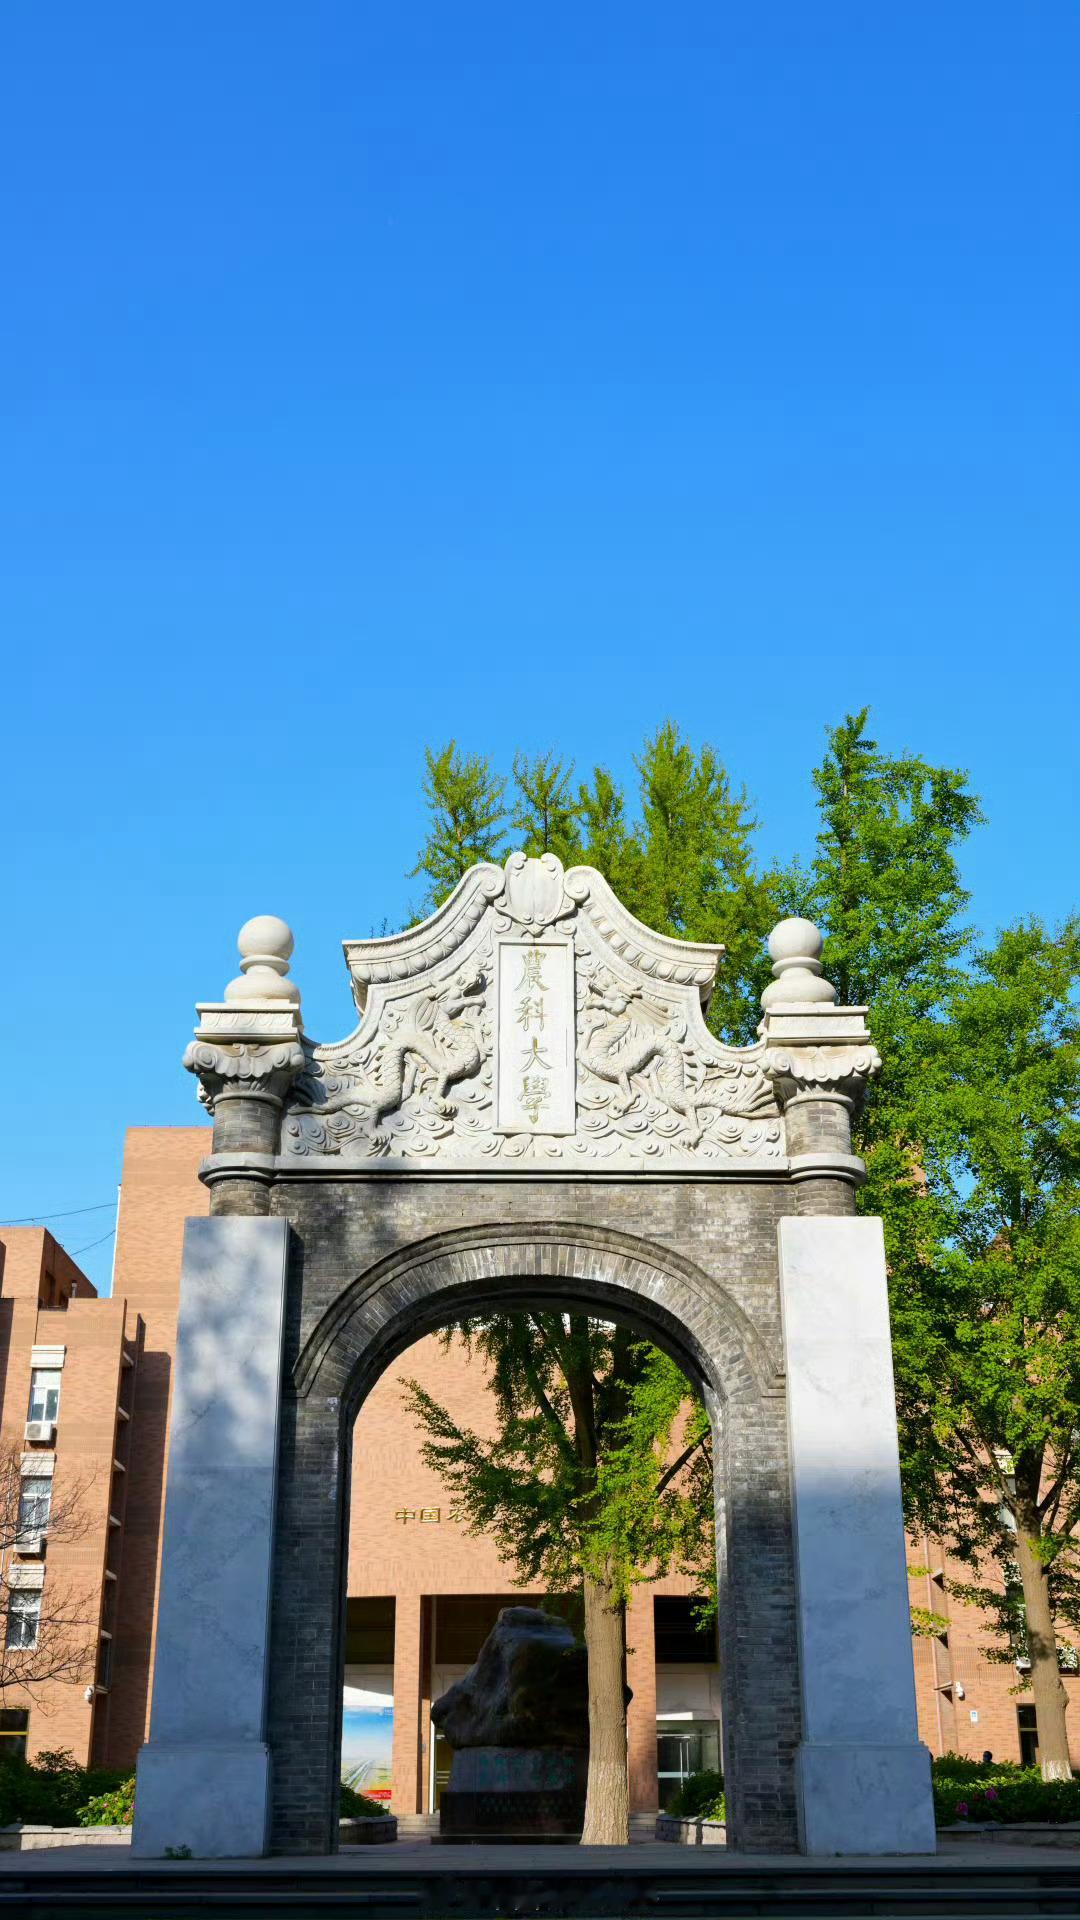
x: 971, y: 1790
x: 357, y: 1806
x: 114, y: 1808
x: 49, y: 1791
x: 701, y: 1796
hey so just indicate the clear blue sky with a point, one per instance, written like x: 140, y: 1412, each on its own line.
x: 377, y: 373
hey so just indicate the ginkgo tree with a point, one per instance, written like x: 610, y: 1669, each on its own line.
x: 992, y: 1299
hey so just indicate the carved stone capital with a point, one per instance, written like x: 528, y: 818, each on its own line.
x: 250, y: 1073
x: 821, y: 1069
x: 251, y: 1055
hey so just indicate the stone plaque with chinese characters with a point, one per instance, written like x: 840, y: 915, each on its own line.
x: 536, y: 1039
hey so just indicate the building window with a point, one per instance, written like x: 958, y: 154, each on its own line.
x: 44, y: 1393
x: 14, y: 1725
x: 1027, y: 1726
x: 24, y: 1613
x: 35, y: 1502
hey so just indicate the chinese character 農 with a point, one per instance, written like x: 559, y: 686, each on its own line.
x: 532, y: 969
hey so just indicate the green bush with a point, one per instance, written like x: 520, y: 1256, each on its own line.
x: 954, y: 1766
x: 971, y: 1790
x: 701, y: 1796
x: 113, y: 1808
x: 49, y: 1791
x: 357, y: 1806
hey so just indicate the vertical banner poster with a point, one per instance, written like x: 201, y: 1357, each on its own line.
x: 367, y: 1737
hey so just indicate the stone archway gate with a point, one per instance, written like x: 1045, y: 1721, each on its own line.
x: 532, y: 1110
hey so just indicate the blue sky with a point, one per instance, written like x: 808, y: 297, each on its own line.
x: 371, y: 374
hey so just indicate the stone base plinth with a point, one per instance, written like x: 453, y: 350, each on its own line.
x: 213, y: 1799
x: 864, y: 1799
x: 514, y: 1793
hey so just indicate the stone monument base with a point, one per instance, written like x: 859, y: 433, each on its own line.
x: 865, y: 1799
x: 211, y: 1797
x: 514, y: 1793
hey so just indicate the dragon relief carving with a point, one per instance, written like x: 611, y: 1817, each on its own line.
x: 653, y: 1086
x: 350, y: 1091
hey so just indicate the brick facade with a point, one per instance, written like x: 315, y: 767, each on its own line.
x: 46, y: 1302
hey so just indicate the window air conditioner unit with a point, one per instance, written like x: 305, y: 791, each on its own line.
x: 29, y: 1542
x: 40, y: 1429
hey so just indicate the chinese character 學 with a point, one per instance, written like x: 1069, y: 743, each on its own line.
x: 534, y: 1095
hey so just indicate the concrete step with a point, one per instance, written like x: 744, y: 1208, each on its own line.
x: 421, y: 1882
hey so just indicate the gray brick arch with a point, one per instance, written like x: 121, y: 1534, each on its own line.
x: 716, y: 1315
x: 424, y: 1285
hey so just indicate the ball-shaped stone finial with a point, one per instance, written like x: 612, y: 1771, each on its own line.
x: 795, y: 949
x: 265, y: 937
x: 265, y: 944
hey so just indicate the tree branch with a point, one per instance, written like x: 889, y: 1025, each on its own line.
x: 677, y: 1466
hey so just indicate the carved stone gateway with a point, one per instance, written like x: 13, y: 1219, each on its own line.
x: 533, y: 1111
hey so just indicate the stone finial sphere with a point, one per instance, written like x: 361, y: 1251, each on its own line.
x: 795, y: 946
x: 794, y: 940
x: 265, y: 937
x: 265, y: 944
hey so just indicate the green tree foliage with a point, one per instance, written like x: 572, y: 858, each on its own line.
x: 992, y: 1295
x: 698, y: 876
x: 546, y: 817
x: 580, y: 1475
x: 970, y: 1145
x: 467, y: 808
x: 684, y: 865
x: 885, y: 889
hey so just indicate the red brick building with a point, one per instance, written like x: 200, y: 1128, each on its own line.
x: 422, y: 1594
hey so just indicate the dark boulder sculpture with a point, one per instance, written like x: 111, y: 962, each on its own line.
x: 528, y: 1688
x: 518, y: 1723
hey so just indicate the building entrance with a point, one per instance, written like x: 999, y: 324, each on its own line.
x: 532, y: 1113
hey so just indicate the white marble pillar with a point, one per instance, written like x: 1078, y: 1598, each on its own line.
x: 203, y: 1778
x: 863, y: 1777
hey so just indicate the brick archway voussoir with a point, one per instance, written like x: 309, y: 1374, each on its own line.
x: 405, y: 1297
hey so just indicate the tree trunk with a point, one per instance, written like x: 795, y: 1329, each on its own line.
x: 1046, y: 1686
x: 607, y: 1802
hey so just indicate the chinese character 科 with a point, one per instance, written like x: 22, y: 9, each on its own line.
x: 404, y: 1514
x: 538, y: 1061
x: 430, y: 1516
x: 530, y: 1010
x: 532, y: 968
x: 534, y: 1095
